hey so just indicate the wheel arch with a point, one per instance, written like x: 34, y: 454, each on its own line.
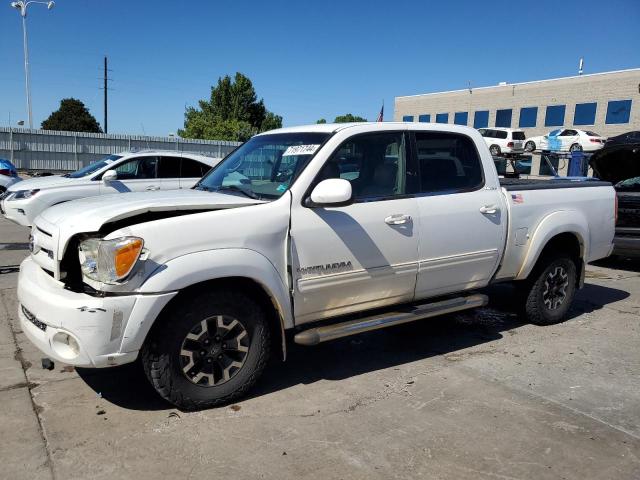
x: 565, y: 231
x: 225, y: 268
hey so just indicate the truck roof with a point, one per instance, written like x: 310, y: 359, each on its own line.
x: 335, y: 127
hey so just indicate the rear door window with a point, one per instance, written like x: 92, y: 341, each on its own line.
x: 501, y: 134
x: 169, y: 167
x: 449, y: 163
x: 193, y: 169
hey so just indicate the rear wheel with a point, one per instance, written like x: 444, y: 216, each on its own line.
x: 529, y: 146
x: 550, y: 290
x: 495, y: 150
x: 210, y: 349
x: 576, y: 147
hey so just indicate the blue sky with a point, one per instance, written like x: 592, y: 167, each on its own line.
x: 307, y: 59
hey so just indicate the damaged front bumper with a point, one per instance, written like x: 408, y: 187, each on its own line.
x: 80, y: 329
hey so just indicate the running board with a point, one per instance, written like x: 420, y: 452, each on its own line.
x: 315, y: 336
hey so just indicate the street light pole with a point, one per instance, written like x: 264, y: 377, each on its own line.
x: 22, y: 6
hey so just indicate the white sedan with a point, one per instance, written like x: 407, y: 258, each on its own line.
x: 126, y: 172
x: 566, y: 140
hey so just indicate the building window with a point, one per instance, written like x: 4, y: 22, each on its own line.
x: 442, y: 118
x: 481, y: 119
x: 425, y: 118
x: 528, y: 117
x: 407, y: 118
x: 503, y: 118
x: 461, y: 118
x: 554, y: 116
x: 585, y: 114
x: 618, y: 111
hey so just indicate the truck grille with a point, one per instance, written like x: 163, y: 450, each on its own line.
x: 44, y: 246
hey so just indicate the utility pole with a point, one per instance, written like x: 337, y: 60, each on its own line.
x: 106, y: 88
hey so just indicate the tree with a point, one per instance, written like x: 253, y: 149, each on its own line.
x: 322, y: 120
x: 348, y: 118
x: 233, y: 112
x: 72, y: 116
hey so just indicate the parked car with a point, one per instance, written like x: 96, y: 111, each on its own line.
x: 8, y: 175
x: 566, y: 140
x: 503, y: 141
x: 619, y: 162
x: 126, y: 172
x: 203, y: 284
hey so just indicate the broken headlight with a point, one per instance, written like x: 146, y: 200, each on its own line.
x: 109, y: 261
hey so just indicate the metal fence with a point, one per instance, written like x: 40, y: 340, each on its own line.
x: 66, y: 151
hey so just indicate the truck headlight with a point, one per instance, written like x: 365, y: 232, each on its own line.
x: 109, y: 261
x: 22, y: 194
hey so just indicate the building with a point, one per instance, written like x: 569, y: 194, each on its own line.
x: 607, y: 103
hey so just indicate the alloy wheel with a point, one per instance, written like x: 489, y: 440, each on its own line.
x: 555, y: 288
x: 214, y: 351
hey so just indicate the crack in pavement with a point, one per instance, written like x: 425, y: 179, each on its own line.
x: 25, y: 365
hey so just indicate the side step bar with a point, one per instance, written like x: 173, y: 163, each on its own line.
x: 315, y: 336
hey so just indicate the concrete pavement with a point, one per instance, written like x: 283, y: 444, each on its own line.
x: 473, y: 395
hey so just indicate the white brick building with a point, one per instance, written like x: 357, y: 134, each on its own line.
x: 607, y: 103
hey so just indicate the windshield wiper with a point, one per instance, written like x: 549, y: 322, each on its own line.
x: 236, y: 188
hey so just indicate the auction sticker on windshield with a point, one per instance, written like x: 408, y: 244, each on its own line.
x: 300, y: 150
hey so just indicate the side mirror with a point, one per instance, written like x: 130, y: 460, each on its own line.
x: 333, y: 192
x: 109, y: 176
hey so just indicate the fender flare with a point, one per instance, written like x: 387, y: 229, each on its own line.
x: 191, y: 269
x: 564, y: 221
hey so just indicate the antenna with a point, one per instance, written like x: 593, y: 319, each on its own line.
x: 581, y: 66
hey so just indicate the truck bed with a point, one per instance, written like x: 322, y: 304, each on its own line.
x: 550, y: 183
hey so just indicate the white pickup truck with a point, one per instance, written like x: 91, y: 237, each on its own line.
x: 359, y: 226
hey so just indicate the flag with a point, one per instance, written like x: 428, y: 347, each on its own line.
x: 381, y: 114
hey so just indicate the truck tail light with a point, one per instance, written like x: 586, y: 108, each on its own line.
x: 510, y: 144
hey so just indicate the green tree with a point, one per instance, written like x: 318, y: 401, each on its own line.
x: 348, y: 118
x: 233, y: 112
x: 72, y: 116
x: 322, y: 120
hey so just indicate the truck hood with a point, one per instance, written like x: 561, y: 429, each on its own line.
x: 89, y: 214
x: 43, y: 182
x: 616, y: 163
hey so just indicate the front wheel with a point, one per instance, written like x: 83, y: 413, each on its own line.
x: 576, y: 147
x: 550, y: 290
x: 209, y: 349
x: 529, y: 146
x: 495, y: 150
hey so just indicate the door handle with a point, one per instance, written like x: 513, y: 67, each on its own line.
x: 153, y: 187
x: 397, y: 219
x: 489, y: 209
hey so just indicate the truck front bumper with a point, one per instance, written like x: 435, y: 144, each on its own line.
x: 80, y: 329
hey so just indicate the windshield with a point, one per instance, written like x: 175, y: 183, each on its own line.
x: 629, y: 184
x: 93, y: 167
x: 518, y: 135
x: 264, y: 167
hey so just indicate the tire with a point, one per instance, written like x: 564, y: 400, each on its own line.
x: 495, y: 150
x: 529, y: 147
x: 550, y: 289
x: 576, y: 147
x: 211, y: 377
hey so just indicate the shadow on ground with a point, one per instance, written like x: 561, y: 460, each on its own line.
x: 127, y: 386
x: 627, y: 264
